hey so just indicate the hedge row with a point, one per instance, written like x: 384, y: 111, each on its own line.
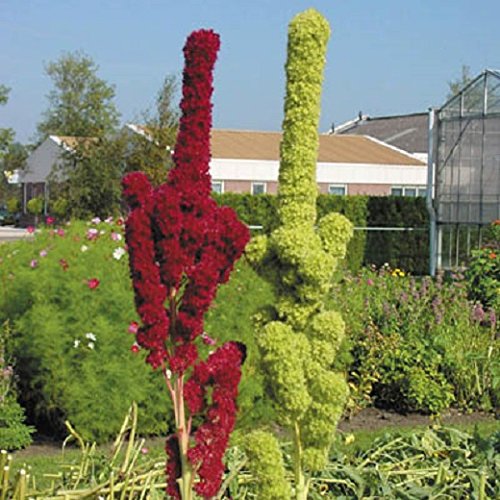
x: 404, y: 249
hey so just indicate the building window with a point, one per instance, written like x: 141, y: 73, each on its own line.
x: 410, y: 191
x: 338, y: 189
x: 258, y: 187
x: 218, y: 187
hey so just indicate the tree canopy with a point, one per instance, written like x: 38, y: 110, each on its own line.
x: 80, y: 103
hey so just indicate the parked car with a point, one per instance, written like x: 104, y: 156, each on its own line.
x: 7, y: 218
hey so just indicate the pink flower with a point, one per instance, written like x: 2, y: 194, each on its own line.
x: 93, y: 283
x: 96, y: 220
x: 43, y: 253
x: 144, y: 450
x: 116, y: 236
x: 135, y: 348
x: 207, y: 339
x: 49, y: 220
x: 133, y: 327
x: 30, y: 229
x: 33, y: 264
x: 60, y: 232
x: 369, y: 282
x: 92, y: 234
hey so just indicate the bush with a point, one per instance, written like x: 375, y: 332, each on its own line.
x: 261, y: 210
x: 14, y: 433
x: 71, y: 341
x: 417, y: 345
x: 408, y: 250
x: 483, y: 271
x: 35, y: 206
x: 13, y: 205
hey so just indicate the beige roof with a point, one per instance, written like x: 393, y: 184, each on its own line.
x: 72, y: 142
x: 251, y: 145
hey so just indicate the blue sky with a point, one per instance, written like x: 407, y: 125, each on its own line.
x: 384, y: 57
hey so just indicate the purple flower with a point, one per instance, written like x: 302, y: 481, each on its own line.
x: 478, y: 313
x: 33, y: 264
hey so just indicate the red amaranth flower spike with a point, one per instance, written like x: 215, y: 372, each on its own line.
x: 182, y: 246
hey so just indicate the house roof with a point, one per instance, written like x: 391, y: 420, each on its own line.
x: 407, y: 132
x: 253, y: 145
x: 71, y: 142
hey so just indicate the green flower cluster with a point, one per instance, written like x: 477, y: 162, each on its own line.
x: 299, y: 338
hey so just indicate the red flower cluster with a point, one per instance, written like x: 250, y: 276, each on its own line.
x: 222, y: 372
x: 92, y: 283
x: 181, y: 247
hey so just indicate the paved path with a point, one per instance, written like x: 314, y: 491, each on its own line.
x: 9, y: 233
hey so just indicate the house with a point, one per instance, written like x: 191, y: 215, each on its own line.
x: 248, y: 162
x: 40, y: 164
x: 407, y: 132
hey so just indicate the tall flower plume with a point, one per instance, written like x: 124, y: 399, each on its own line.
x: 182, y: 246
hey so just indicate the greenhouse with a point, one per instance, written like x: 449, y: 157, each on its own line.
x: 464, y: 159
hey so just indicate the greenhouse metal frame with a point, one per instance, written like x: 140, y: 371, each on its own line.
x: 463, y: 191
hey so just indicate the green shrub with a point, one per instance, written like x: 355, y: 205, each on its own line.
x: 262, y: 211
x: 417, y: 345
x: 14, y: 433
x: 408, y: 250
x: 483, y: 272
x: 60, y: 207
x: 13, y: 205
x: 55, y: 316
x: 35, y: 206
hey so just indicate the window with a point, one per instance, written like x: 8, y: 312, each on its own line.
x: 410, y: 191
x: 258, y: 187
x: 218, y: 187
x: 339, y: 190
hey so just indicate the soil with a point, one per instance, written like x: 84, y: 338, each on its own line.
x: 369, y: 419
x: 372, y: 419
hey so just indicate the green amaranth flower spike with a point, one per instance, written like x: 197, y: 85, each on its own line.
x: 299, y: 338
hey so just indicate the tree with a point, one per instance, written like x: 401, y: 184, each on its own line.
x: 6, y: 134
x: 455, y: 86
x: 151, y: 151
x: 12, y: 155
x: 88, y: 182
x: 80, y: 104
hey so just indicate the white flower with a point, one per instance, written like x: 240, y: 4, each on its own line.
x: 96, y: 220
x: 168, y: 373
x: 119, y: 253
x: 109, y: 220
x: 102, y: 231
x: 91, y: 345
x: 76, y: 343
x: 84, y: 248
x: 90, y: 336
